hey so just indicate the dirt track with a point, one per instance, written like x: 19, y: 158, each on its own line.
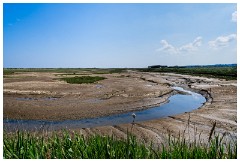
x: 40, y: 96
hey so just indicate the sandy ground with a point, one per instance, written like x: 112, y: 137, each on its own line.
x: 25, y: 96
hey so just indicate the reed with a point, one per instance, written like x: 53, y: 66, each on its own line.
x: 67, y: 145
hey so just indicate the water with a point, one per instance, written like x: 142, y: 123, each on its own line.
x: 177, y: 104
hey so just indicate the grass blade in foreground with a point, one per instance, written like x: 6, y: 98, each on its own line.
x: 24, y: 145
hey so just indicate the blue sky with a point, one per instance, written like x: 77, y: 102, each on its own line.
x: 118, y: 35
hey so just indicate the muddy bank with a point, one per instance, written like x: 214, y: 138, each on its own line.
x: 124, y: 93
x: 181, y: 101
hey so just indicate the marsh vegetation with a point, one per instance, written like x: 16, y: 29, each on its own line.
x: 82, y: 79
x: 65, y: 71
x: 229, y: 73
x: 67, y: 145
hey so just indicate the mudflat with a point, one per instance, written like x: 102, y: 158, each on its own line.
x: 41, y: 96
x: 218, y: 115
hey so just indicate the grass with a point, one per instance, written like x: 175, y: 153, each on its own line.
x: 55, y: 70
x: 229, y: 73
x: 65, y: 70
x: 24, y: 145
x: 82, y: 79
x: 8, y: 72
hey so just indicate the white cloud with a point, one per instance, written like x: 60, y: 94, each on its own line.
x: 193, y: 46
x: 166, y: 47
x: 197, y: 42
x: 234, y: 16
x: 190, y: 47
x: 222, y: 41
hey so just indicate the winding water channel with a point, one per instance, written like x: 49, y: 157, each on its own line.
x: 177, y: 104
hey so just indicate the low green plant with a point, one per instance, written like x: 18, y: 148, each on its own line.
x: 82, y: 79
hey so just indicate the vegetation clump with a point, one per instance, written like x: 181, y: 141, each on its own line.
x: 229, y: 73
x: 67, y: 71
x: 8, y: 72
x: 66, y: 145
x: 82, y: 79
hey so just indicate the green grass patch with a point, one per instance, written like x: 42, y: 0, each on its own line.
x: 68, y: 71
x: 8, y: 72
x: 82, y: 79
x: 229, y: 73
x: 54, y: 70
x: 25, y: 145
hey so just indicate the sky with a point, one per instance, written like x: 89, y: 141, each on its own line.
x: 118, y: 35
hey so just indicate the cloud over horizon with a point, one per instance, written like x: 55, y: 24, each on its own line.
x: 222, y: 41
x: 166, y: 47
x: 190, y: 47
x: 193, y: 46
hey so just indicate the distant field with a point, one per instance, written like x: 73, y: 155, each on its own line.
x: 8, y: 71
x: 229, y: 73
